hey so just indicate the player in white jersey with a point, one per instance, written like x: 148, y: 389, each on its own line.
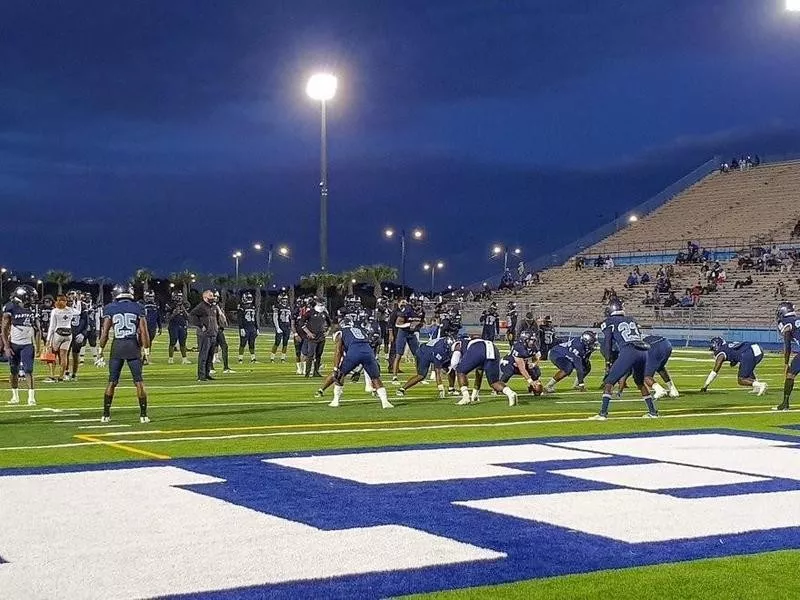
x: 59, y: 336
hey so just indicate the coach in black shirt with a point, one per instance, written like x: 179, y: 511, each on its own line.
x: 204, y: 317
x: 315, y: 325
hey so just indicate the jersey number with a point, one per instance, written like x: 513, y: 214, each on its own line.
x: 357, y: 333
x: 124, y: 325
x: 629, y: 332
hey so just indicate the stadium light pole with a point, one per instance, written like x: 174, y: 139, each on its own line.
x: 40, y: 283
x: 416, y: 234
x: 498, y: 249
x: 433, y: 267
x: 236, y: 256
x: 322, y: 87
x: 3, y: 272
x: 283, y: 252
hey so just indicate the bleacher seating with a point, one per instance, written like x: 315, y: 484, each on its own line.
x: 757, y: 204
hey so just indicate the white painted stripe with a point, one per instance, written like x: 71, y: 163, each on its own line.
x: 101, y: 427
x: 73, y: 420
x: 53, y: 415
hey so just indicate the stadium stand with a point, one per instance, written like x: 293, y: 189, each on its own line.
x: 725, y: 213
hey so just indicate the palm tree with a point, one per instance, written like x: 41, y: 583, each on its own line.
x: 143, y: 276
x: 320, y: 281
x: 376, y: 275
x: 259, y: 281
x: 184, y: 279
x: 60, y: 278
x: 222, y: 283
x: 344, y: 282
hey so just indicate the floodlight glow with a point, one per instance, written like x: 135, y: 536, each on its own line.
x: 440, y: 265
x: 257, y: 246
x: 426, y: 266
x: 389, y: 233
x: 417, y: 233
x: 633, y: 219
x: 237, y: 254
x: 497, y: 250
x: 353, y: 281
x: 793, y: 5
x: 283, y: 251
x: 321, y: 86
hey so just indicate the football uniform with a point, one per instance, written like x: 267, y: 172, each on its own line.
x: 744, y: 354
x: 573, y: 355
x: 358, y: 351
x: 21, y: 337
x: 791, y: 324
x: 480, y: 354
x: 282, y: 319
x: 623, y: 332
x: 508, y: 365
x: 125, y: 316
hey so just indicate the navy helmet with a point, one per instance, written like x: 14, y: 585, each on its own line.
x: 149, y: 296
x: 716, y: 344
x: 615, y: 307
x: 589, y: 338
x: 24, y: 295
x: 785, y: 309
x: 247, y: 298
x: 528, y: 340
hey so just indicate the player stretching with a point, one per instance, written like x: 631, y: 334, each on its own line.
x: 745, y: 354
x: 789, y: 327
x: 18, y: 338
x: 130, y: 338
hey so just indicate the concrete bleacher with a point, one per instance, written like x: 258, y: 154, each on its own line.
x: 737, y: 209
x: 722, y: 210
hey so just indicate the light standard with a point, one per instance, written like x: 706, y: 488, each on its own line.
x: 40, y: 283
x: 497, y: 250
x: 3, y: 272
x: 283, y: 251
x: 236, y: 256
x: 416, y: 234
x: 322, y: 87
x: 433, y: 267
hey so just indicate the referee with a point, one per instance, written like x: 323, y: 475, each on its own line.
x: 204, y: 317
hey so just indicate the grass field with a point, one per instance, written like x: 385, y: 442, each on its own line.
x: 266, y: 408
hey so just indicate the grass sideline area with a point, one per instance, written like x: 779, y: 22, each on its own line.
x: 266, y: 408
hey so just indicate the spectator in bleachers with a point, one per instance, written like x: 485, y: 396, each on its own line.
x: 796, y: 230
x: 780, y: 290
x: 579, y: 263
x: 632, y: 280
x: 608, y: 263
x: 746, y: 262
x: 687, y: 300
x: 645, y: 278
x: 724, y: 168
x: 663, y: 285
x: 600, y: 261
x: 651, y: 299
x: 670, y: 271
x: 740, y: 283
x: 521, y: 270
x: 722, y: 277
x: 696, y: 291
x: 671, y: 300
x: 661, y: 272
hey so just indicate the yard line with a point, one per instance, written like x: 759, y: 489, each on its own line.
x: 98, y: 426
x: 73, y: 420
x: 123, y: 447
x: 54, y: 415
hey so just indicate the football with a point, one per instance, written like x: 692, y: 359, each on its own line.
x: 536, y: 389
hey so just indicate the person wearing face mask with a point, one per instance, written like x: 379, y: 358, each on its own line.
x: 204, y: 317
x: 315, y: 325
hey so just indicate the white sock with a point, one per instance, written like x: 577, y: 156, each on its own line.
x: 146, y: 352
x: 509, y: 393
x: 465, y: 393
x: 241, y: 357
x: 252, y: 357
x: 384, y: 397
x: 475, y: 394
x: 31, y: 395
x: 272, y: 355
x: 672, y: 388
x: 367, y: 383
x: 15, y: 394
x: 660, y: 391
x: 338, y: 390
x: 283, y: 356
x: 551, y: 385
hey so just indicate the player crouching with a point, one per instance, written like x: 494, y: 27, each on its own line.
x: 130, y: 337
x: 745, y: 354
x: 479, y: 355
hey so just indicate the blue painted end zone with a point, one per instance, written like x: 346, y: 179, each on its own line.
x: 534, y: 549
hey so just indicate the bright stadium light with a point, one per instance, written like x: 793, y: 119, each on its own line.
x: 257, y: 246
x: 497, y: 250
x: 388, y: 233
x: 283, y: 250
x: 417, y: 233
x: 322, y: 87
x: 517, y: 251
x: 793, y: 5
x: 633, y: 219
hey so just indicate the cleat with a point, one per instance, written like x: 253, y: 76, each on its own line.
x: 674, y: 394
x: 31, y: 402
x: 229, y: 371
x: 513, y: 400
x: 105, y: 419
x: 50, y: 380
x: 600, y: 417
x: 464, y: 402
x: 144, y: 419
x: 760, y: 387
x: 170, y: 361
x: 185, y: 361
x: 241, y: 361
x: 212, y: 372
x: 400, y: 392
x: 658, y: 395
x: 425, y: 382
x: 649, y: 415
x: 283, y: 359
x: 442, y: 394
x: 355, y: 376
x: 782, y: 407
x: 13, y: 401
x: 387, y: 404
x: 319, y: 393
x: 395, y: 381
x: 333, y: 404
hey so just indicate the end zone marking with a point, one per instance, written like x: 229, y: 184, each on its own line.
x: 90, y: 438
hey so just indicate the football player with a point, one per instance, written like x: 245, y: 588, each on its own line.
x: 59, y: 335
x: 298, y: 315
x: 248, y: 326
x: 479, y: 355
x: 657, y: 357
x: 45, y: 310
x: 789, y: 328
x: 523, y: 360
x: 221, y: 343
x: 623, y: 331
x: 436, y: 353
x: 745, y: 354
x: 352, y: 349
x: 130, y: 338
x: 572, y: 355
x: 177, y: 326
x: 152, y: 316
x: 382, y: 318
x: 92, y: 322
x: 409, y: 321
x: 80, y: 328
x: 547, y: 335
x: 18, y: 333
x: 451, y: 323
x: 490, y: 322
x: 511, y: 322
x: 282, y: 319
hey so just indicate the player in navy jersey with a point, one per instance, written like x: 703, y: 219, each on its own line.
x: 483, y: 357
x: 490, y: 323
x: 789, y: 328
x: 381, y: 315
x: 177, y: 325
x: 522, y: 360
x: 126, y: 319
x: 407, y: 325
x: 80, y: 328
x: 436, y: 353
x: 282, y: 319
x: 746, y: 355
x: 298, y: 314
x: 18, y: 337
x: 512, y: 317
x: 152, y: 316
x: 572, y: 355
x: 657, y: 357
x: 547, y: 335
x: 623, y: 332
x: 248, y: 326
x: 352, y: 349
x: 451, y: 323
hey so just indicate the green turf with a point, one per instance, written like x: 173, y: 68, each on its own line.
x: 267, y: 408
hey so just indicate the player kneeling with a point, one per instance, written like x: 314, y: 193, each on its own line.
x: 352, y: 349
x: 127, y: 319
x: 522, y: 360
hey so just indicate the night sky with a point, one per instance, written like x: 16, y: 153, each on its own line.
x: 167, y: 134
